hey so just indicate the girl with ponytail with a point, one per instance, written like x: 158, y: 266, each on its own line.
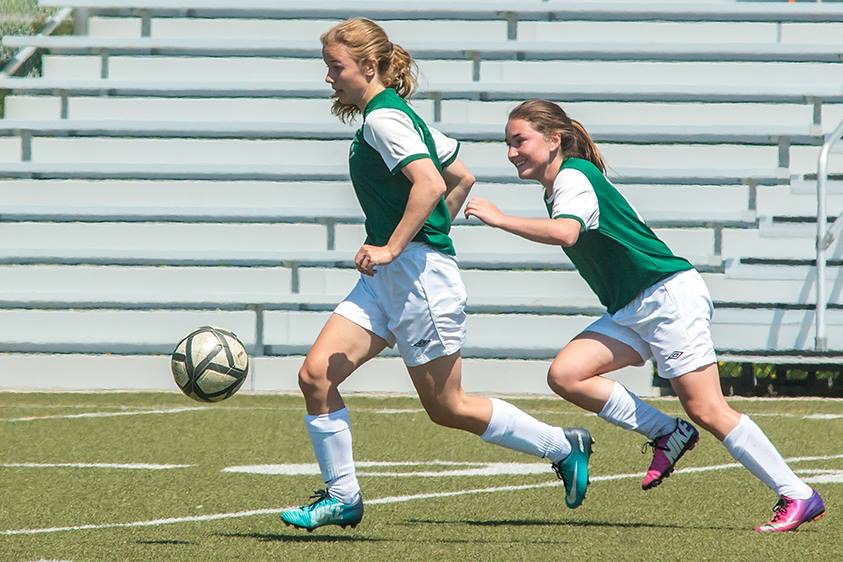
x: 657, y: 305
x: 410, y: 185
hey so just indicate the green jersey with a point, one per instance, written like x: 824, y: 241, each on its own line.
x: 392, y: 136
x: 616, y: 253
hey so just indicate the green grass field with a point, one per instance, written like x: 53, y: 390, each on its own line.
x: 418, y: 510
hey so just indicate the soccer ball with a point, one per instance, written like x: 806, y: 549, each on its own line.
x: 210, y: 364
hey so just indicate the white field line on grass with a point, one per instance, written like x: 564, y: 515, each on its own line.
x: 378, y: 501
x: 798, y: 416
x: 36, y: 406
x: 106, y: 414
x: 130, y: 466
x: 385, y: 411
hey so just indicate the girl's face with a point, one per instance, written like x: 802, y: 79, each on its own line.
x: 348, y: 78
x: 531, y: 152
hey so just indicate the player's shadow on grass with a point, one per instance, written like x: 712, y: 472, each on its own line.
x: 552, y: 523
x: 313, y: 537
x: 165, y: 541
x: 303, y: 536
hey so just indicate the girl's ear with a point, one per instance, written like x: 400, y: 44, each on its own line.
x: 555, y: 140
x: 369, y: 69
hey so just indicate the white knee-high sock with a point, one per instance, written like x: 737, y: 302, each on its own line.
x: 750, y: 447
x: 514, y: 429
x: 330, y: 435
x: 626, y: 410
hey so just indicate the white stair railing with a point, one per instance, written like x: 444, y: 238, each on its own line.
x: 825, y: 236
x: 23, y: 55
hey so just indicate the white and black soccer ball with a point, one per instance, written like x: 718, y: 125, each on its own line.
x: 210, y: 364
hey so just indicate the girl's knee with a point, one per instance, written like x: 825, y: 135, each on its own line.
x: 444, y: 417
x: 446, y: 413
x: 312, y: 379
x: 441, y: 417
x: 563, y: 380
x: 708, y: 415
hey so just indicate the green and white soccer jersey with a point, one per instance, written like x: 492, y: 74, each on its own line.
x: 616, y: 253
x: 392, y: 136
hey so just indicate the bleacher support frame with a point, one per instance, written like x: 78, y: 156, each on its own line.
x: 825, y: 236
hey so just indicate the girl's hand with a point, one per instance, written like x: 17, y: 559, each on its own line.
x: 485, y: 211
x: 369, y: 256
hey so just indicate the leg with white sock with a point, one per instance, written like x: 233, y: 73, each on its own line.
x: 514, y: 429
x: 703, y: 399
x: 701, y: 396
x: 568, y: 450
x: 330, y: 435
x: 438, y: 383
x: 670, y: 438
x: 751, y: 447
x: 574, y: 375
x: 625, y: 409
x: 340, y: 349
x: 798, y: 503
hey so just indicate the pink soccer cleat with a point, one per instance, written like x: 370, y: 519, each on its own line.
x: 789, y: 514
x: 668, y: 449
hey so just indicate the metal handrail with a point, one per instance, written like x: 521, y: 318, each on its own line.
x: 825, y: 237
x: 23, y: 55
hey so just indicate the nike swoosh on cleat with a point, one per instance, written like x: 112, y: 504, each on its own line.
x: 572, y: 493
x: 323, y: 515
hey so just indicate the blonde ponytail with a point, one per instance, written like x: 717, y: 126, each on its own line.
x: 400, y: 72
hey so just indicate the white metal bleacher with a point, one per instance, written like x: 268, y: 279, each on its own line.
x: 813, y: 105
x: 513, y: 13
x: 158, y: 217
x: 475, y: 51
x: 781, y: 137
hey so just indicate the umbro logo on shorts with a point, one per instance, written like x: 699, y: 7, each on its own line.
x: 675, y: 355
x: 421, y: 343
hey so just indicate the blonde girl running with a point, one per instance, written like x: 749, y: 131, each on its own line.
x: 410, y: 185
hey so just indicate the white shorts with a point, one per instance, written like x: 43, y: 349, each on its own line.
x: 417, y: 301
x: 669, y: 321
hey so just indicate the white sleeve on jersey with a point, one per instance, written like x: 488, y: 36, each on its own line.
x: 446, y: 147
x: 392, y: 134
x: 573, y: 196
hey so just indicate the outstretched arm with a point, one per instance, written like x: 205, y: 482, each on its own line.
x: 559, y: 232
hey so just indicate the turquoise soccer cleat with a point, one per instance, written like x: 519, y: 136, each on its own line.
x: 573, y: 469
x: 326, y: 510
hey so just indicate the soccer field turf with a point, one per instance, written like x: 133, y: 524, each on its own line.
x: 143, y: 477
